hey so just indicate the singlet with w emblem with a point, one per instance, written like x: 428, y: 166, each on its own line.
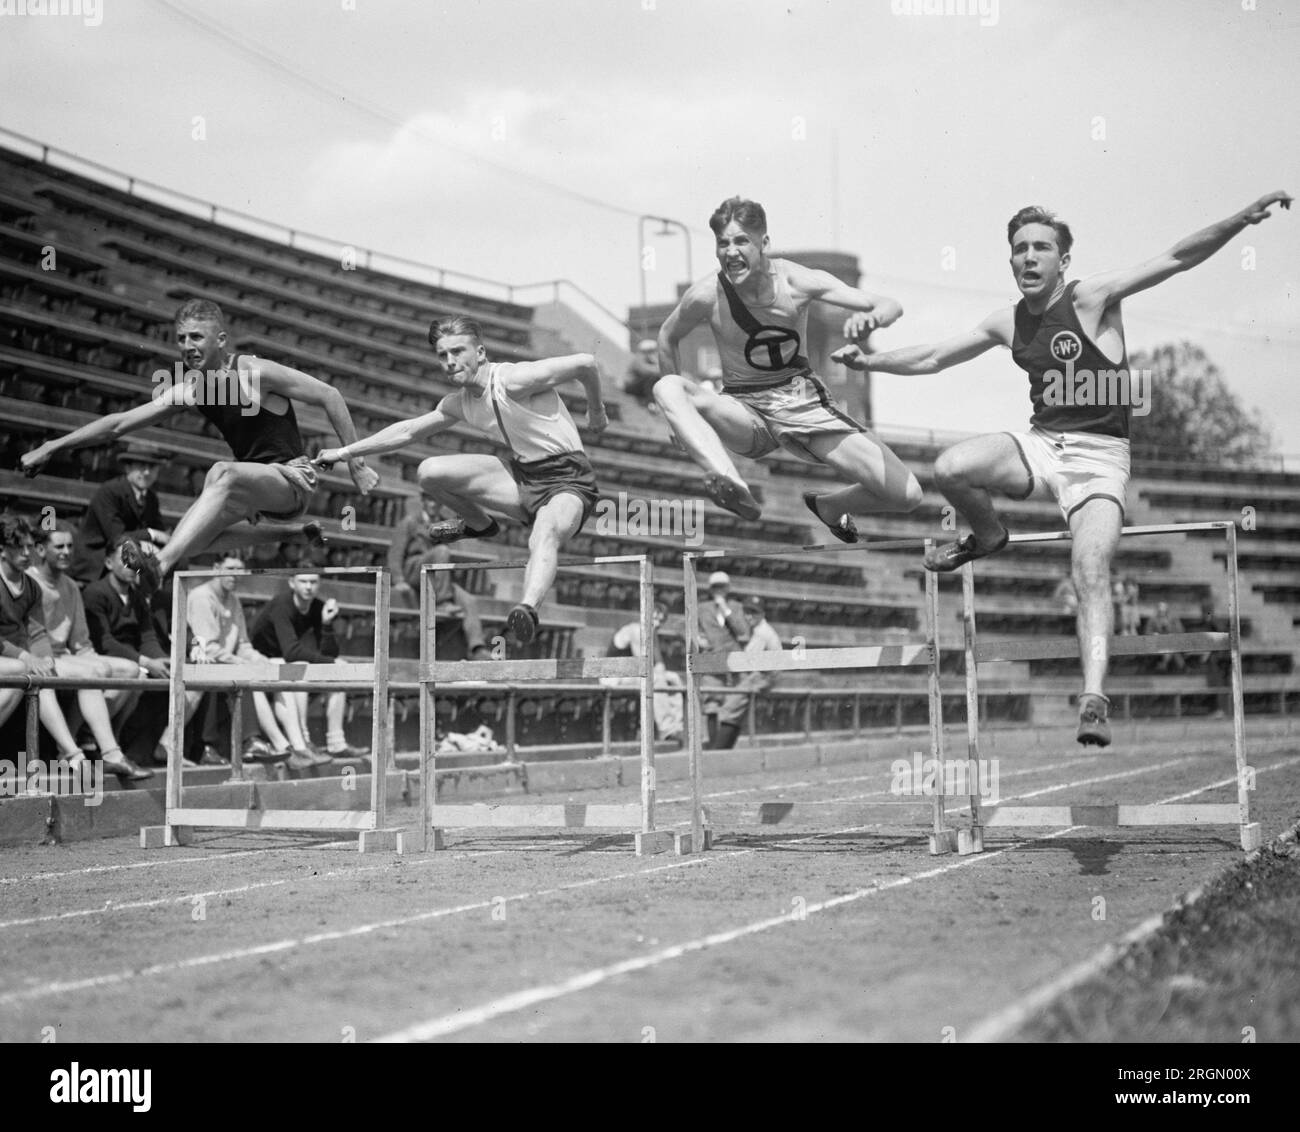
x: 760, y: 347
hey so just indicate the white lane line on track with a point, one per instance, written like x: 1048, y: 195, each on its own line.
x: 212, y: 894
x: 118, y: 977
x: 90, y: 870
x: 1001, y: 1025
x: 138, y: 905
x: 323, y: 937
x: 326, y: 937
x: 1046, y: 768
x: 520, y: 1000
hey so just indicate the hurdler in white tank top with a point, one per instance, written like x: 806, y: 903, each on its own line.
x: 540, y: 428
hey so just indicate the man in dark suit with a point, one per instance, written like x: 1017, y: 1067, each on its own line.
x: 127, y: 505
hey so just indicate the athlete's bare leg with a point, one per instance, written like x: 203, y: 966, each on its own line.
x: 880, y: 480
x: 968, y: 471
x: 707, y: 424
x: 244, y: 534
x: 1095, y: 529
x: 472, y: 485
x: 555, y: 523
x: 231, y: 492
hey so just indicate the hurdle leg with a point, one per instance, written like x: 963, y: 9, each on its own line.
x: 166, y: 835
x: 943, y: 839
x: 971, y: 840
x: 1251, y: 834
x: 381, y: 838
x: 701, y: 837
x: 648, y: 839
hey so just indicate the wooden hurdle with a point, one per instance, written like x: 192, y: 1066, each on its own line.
x: 707, y: 817
x: 1110, y: 815
x: 637, y: 818
x: 370, y: 824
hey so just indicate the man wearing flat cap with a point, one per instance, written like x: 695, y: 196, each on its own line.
x: 722, y: 628
x: 125, y: 505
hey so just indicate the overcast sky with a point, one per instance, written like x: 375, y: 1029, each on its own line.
x: 520, y: 140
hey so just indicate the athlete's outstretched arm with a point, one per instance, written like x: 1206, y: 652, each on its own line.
x: 691, y: 311
x: 298, y: 386
x: 1110, y: 286
x: 400, y: 434
x: 170, y: 400
x: 993, y: 331
x: 524, y: 379
x: 874, y: 311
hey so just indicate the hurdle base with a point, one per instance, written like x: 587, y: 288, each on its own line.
x: 1252, y: 837
x: 660, y: 841
x: 379, y: 840
x: 164, y: 836
x: 434, y: 839
x: 943, y: 841
x: 970, y: 840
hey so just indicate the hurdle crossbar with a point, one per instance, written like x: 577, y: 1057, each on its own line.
x: 705, y: 817
x: 636, y: 818
x: 1111, y: 814
x: 371, y: 677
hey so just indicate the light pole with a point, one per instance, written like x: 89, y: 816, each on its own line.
x: 666, y: 223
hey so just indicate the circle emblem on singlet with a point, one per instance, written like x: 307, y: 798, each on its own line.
x: 772, y: 348
x: 1066, y: 346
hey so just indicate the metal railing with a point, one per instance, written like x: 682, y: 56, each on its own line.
x: 295, y: 238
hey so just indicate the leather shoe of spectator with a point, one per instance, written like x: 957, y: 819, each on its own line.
x: 259, y: 751
x: 125, y: 769
x: 212, y: 757
x: 301, y: 760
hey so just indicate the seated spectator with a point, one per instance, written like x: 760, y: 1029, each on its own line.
x: 297, y: 626
x: 411, y: 548
x: 220, y: 636
x: 25, y: 638
x: 65, y: 623
x: 670, y: 720
x: 1162, y: 621
x: 762, y: 638
x: 121, y: 624
x: 1066, y: 596
x: 127, y: 505
x: 642, y: 373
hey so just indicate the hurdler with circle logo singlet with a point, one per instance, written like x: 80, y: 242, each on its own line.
x: 1068, y: 337
x: 757, y: 308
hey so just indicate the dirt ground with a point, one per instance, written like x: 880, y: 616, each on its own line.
x: 777, y: 934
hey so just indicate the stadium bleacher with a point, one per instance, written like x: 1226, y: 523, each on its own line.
x: 90, y: 276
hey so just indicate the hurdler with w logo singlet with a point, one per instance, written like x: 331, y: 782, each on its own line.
x: 757, y: 308
x: 1076, y: 450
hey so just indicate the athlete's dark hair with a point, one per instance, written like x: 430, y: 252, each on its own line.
x: 459, y: 325
x: 748, y: 214
x: 1037, y: 214
x: 14, y: 530
x: 58, y: 527
x: 205, y: 310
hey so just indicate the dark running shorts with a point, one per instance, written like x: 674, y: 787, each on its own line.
x: 542, y: 480
x: 300, y: 474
